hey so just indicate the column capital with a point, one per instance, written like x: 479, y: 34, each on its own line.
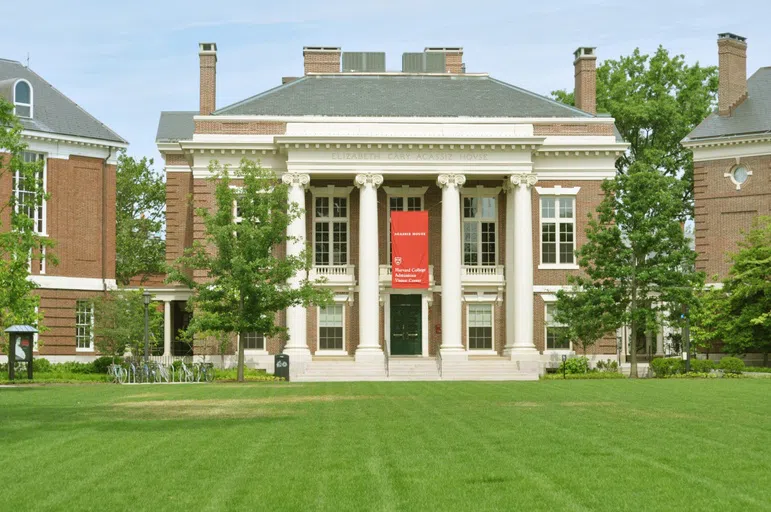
x: 527, y: 179
x: 368, y: 179
x: 296, y: 179
x: 450, y: 180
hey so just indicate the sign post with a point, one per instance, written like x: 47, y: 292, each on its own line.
x: 409, y: 248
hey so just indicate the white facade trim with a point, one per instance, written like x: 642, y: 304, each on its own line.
x: 73, y: 283
x: 411, y: 120
x: 557, y: 266
x: 539, y: 288
x: 80, y: 141
x: 733, y: 149
x: 558, y: 190
x: 178, y: 168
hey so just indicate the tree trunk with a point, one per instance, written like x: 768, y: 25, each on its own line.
x: 648, y: 344
x: 633, y: 349
x: 765, y: 358
x: 240, y: 362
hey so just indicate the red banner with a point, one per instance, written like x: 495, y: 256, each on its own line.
x: 409, y: 249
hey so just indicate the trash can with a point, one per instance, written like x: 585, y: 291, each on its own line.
x: 282, y: 366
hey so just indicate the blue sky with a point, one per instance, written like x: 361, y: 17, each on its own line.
x: 126, y: 65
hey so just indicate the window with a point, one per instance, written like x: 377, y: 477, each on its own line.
x: 25, y: 188
x: 84, y: 325
x: 479, y: 231
x: 331, y: 327
x: 554, y: 332
x: 401, y: 204
x: 22, y: 99
x: 557, y: 230
x: 253, y: 341
x: 480, y: 326
x: 331, y: 230
x: 738, y: 175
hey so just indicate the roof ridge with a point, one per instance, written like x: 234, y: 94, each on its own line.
x: 540, y: 96
x: 11, y: 60
x: 49, y: 84
x: 263, y: 93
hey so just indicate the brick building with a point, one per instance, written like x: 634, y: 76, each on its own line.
x: 732, y: 159
x: 79, y: 155
x: 507, y: 178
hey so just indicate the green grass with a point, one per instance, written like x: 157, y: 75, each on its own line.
x: 550, y: 445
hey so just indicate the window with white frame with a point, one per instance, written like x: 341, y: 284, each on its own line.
x: 401, y: 204
x: 331, y: 327
x: 554, y: 331
x: 480, y: 218
x: 84, y: 325
x: 253, y: 340
x: 480, y: 326
x: 25, y: 189
x: 558, y: 230
x: 22, y: 99
x: 330, y: 225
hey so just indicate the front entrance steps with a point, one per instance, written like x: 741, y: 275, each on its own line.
x: 412, y: 368
x: 478, y: 368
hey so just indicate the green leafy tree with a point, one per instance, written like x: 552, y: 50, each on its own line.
x: 585, y: 316
x: 636, y: 261
x: 19, y: 243
x: 739, y: 314
x: 247, y: 283
x: 141, y: 198
x: 119, y: 323
x: 656, y: 100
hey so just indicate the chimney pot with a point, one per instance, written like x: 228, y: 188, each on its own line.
x: 585, y: 92
x: 732, y: 72
x: 207, y: 56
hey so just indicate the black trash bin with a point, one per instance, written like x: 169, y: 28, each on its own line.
x: 282, y: 366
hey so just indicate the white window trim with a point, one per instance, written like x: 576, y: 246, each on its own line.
x: 558, y: 193
x: 328, y: 352
x: 480, y: 192
x: 481, y: 351
x: 547, y: 300
x: 44, y: 205
x: 90, y: 348
x: 255, y: 351
x: 730, y: 175
x: 331, y: 191
x: 31, y: 99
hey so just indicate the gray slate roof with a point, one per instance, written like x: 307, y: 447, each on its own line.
x: 175, y: 126
x: 54, y: 112
x: 400, y: 96
x: 753, y: 115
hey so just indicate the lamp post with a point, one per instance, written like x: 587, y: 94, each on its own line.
x: 146, y: 297
x: 564, y: 365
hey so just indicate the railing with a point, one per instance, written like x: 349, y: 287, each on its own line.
x: 333, y: 270
x: 483, y: 270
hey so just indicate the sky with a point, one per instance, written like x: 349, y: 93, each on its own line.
x: 126, y: 64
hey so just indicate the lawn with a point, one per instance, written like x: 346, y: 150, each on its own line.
x: 550, y: 445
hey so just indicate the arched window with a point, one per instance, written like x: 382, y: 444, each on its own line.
x: 22, y: 98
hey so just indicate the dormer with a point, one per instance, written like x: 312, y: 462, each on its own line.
x: 22, y: 98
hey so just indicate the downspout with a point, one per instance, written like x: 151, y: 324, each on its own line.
x: 104, y: 219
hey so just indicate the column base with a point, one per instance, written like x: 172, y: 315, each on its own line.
x: 528, y: 359
x: 369, y: 355
x: 297, y: 354
x: 452, y: 354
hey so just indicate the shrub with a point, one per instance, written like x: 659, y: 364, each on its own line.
x: 703, y: 365
x: 731, y: 365
x: 574, y: 365
x: 757, y: 369
x: 73, y: 367
x: 584, y: 376
x: 102, y: 364
x: 666, y: 366
x: 41, y: 365
x: 608, y: 366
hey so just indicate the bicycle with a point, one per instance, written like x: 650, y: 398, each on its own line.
x: 165, y: 373
x: 185, y: 373
x: 117, y: 373
x: 204, y: 371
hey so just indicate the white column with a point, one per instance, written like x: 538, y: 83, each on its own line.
x: 369, y: 269
x: 452, y: 335
x: 167, y: 328
x: 519, y: 267
x: 296, y: 316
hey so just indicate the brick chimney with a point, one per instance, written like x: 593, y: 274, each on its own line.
x: 207, y: 54
x: 585, y: 64
x: 453, y: 57
x: 732, y: 79
x: 322, y: 59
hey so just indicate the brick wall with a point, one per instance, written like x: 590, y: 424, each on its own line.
x: 241, y: 127
x: 586, y: 84
x: 606, y: 345
x: 732, y: 85
x: 572, y: 129
x: 57, y: 336
x: 208, y: 84
x: 321, y: 61
x: 722, y: 212
x: 179, y: 213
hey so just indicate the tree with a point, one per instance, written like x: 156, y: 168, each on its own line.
x: 141, y: 198
x: 742, y: 319
x: 20, y: 244
x: 585, y: 317
x: 119, y: 323
x: 247, y: 282
x: 656, y: 100
x: 636, y: 261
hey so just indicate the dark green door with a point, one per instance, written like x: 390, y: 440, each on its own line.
x: 406, y: 325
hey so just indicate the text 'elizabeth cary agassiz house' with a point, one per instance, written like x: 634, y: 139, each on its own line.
x: 506, y: 178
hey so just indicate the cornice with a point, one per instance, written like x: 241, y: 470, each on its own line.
x: 727, y: 141
x: 71, y: 139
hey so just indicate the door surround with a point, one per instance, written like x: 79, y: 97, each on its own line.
x: 425, y: 300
